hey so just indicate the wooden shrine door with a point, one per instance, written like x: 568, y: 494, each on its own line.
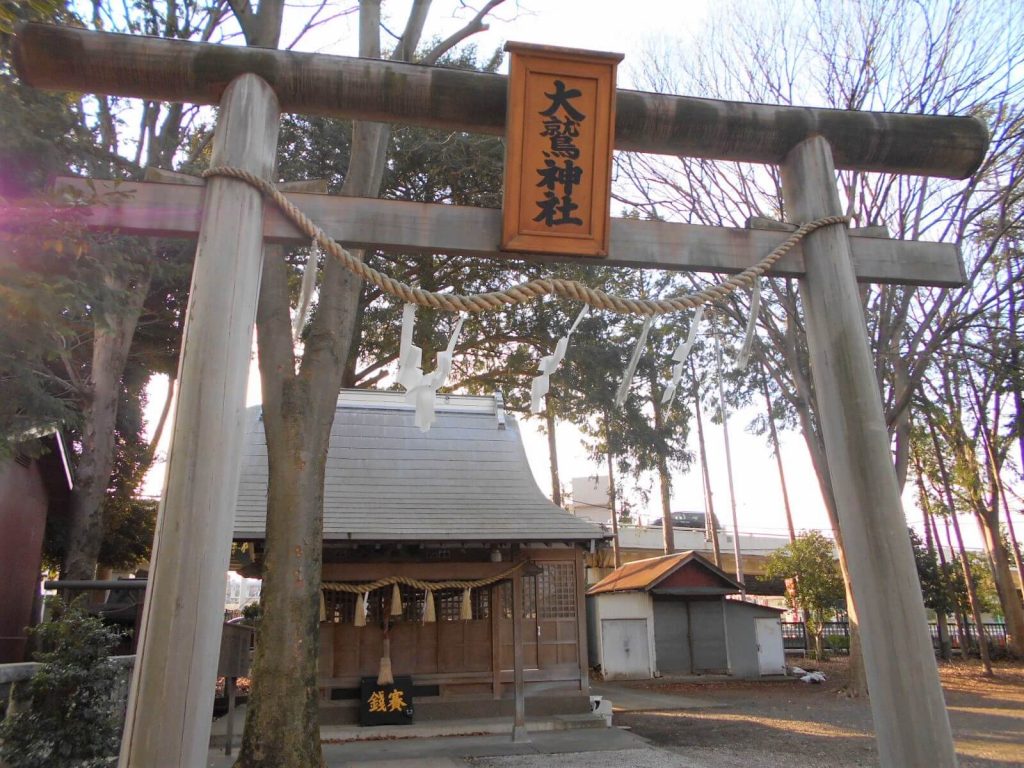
x: 550, y: 621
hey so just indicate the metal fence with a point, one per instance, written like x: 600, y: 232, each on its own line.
x: 795, y: 638
x: 995, y: 634
x: 835, y: 634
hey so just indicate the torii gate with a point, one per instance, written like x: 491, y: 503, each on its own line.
x: 170, y: 702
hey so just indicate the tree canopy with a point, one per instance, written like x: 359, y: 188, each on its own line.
x: 810, y: 561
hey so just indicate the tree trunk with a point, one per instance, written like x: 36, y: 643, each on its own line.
x: 712, y: 520
x: 987, y: 513
x: 1013, y: 611
x: 161, y: 424
x: 282, y: 723
x: 665, y: 481
x: 1015, y: 382
x: 1011, y: 533
x: 616, y: 556
x: 778, y: 451
x: 965, y: 564
x: 858, y: 685
x: 934, y: 546
x: 556, y: 484
x: 942, y: 630
x: 112, y: 338
x: 901, y: 427
x: 972, y: 596
x: 961, y: 619
x: 998, y: 495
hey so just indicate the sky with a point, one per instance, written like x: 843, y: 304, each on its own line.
x: 608, y: 25
x: 602, y: 25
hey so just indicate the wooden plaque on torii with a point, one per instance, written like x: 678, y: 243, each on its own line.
x: 558, y: 154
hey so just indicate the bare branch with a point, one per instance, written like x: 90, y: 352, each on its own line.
x: 472, y: 27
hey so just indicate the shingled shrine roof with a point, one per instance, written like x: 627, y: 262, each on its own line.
x: 466, y: 480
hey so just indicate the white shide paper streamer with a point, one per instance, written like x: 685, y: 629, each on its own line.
x: 306, y: 294
x: 421, y: 388
x: 627, y: 378
x: 748, y: 339
x: 679, y: 357
x: 549, y: 364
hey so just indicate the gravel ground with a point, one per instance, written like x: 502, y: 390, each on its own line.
x: 800, y: 725
x: 793, y: 724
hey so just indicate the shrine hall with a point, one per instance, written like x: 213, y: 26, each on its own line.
x: 411, y: 518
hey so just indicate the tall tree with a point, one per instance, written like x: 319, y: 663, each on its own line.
x: 637, y: 437
x: 104, y: 283
x: 962, y: 430
x: 947, y: 498
x: 299, y: 399
x: 810, y: 561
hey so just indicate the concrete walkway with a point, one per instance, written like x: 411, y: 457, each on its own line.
x: 487, y: 743
x: 453, y: 751
x: 426, y: 729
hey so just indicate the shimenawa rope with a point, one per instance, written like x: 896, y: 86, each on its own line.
x: 337, y: 586
x: 523, y: 292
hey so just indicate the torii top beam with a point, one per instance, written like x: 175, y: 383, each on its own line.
x: 65, y: 58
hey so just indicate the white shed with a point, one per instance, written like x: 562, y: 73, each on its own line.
x: 669, y: 616
x: 621, y: 636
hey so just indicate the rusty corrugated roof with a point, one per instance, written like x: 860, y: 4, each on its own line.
x: 642, y: 575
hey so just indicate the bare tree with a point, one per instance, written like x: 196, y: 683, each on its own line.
x: 890, y: 55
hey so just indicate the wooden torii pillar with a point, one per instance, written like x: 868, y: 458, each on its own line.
x: 170, y: 701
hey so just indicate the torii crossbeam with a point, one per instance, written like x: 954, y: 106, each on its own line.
x: 175, y: 210
x: 170, y: 702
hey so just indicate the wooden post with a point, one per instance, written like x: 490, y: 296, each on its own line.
x: 581, y: 622
x: 171, y: 700
x: 519, y: 733
x: 497, y: 607
x: 911, y: 723
x: 229, y: 731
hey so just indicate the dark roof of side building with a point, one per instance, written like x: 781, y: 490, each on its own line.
x: 466, y: 480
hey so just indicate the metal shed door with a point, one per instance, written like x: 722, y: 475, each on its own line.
x: 625, y: 649
x: 707, y: 627
x: 771, y: 658
x: 672, y: 637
